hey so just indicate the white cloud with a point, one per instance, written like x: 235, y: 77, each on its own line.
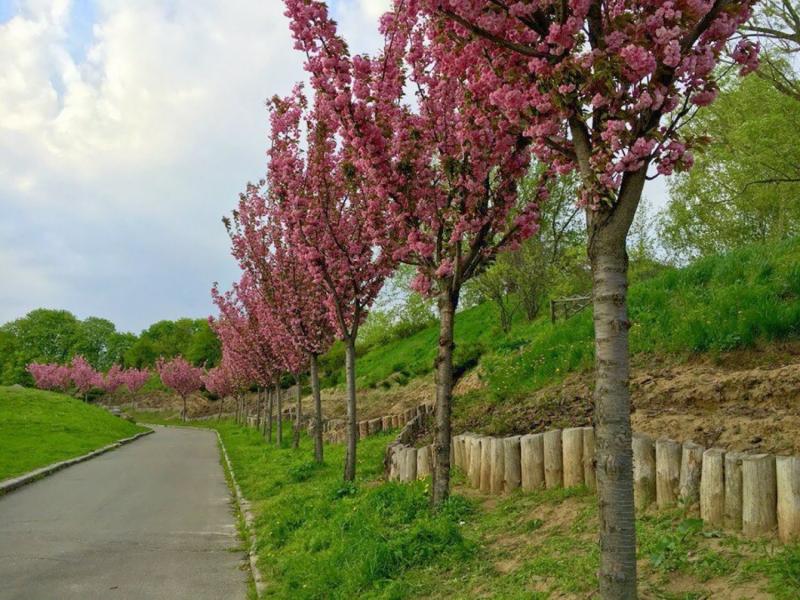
x: 118, y: 163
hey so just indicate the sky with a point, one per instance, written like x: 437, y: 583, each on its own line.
x: 127, y: 130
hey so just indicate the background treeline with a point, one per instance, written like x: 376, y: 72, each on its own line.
x: 56, y: 336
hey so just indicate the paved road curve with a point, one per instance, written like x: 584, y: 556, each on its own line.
x: 150, y: 520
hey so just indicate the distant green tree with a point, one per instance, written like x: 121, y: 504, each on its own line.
x: 191, y: 338
x: 94, y: 342
x: 43, y: 335
x: 745, y: 185
x: 204, y: 348
x: 553, y: 261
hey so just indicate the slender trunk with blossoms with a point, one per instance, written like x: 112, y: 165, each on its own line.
x: 336, y: 229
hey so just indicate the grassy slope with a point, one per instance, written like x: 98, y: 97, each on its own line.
x: 39, y: 428
x: 717, y: 304
x: 320, y: 538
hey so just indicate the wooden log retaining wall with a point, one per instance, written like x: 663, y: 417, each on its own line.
x: 758, y: 494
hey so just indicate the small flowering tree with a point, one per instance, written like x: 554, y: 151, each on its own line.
x: 182, y: 377
x: 134, y: 379
x: 50, y: 376
x: 601, y: 88
x: 84, y: 378
x: 219, y: 381
x: 336, y: 229
x: 112, y: 380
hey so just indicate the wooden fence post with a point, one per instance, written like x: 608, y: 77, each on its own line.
x: 512, y: 462
x: 553, y: 459
x: 644, y: 471
x: 758, y: 495
x: 668, y: 472
x: 788, y: 479
x: 532, y: 461
x: 712, y: 487
x: 572, y: 456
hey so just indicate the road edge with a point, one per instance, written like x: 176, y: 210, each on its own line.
x: 10, y: 485
x: 244, y: 508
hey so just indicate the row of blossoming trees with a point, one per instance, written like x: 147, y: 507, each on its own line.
x: 414, y: 156
x: 177, y: 374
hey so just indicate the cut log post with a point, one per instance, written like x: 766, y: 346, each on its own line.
x: 386, y: 423
x: 395, y: 421
x: 392, y: 463
x: 668, y: 472
x: 712, y: 487
x: 759, y: 495
x: 512, y: 463
x: 423, y: 462
x: 486, y: 464
x: 457, y: 462
x: 532, y: 461
x: 572, y: 459
x: 644, y: 471
x: 691, y: 470
x: 787, y: 470
x: 589, y: 472
x: 375, y: 426
x: 411, y: 464
x: 475, y: 462
x: 498, y: 465
x: 363, y: 429
x: 553, y: 460
x: 733, y: 490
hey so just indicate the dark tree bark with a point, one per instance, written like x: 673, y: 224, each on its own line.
x: 270, y: 402
x: 318, y: 447
x: 448, y: 302
x: 279, y: 416
x: 298, y: 417
x: 352, y: 429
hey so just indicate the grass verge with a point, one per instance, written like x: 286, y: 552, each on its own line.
x: 321, y: 538
x: 38, y: 428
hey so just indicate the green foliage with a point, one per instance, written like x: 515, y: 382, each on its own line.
x: 39, y: 428
x: 717, y: 304
x: 192, y: 338
x: 745, y: 184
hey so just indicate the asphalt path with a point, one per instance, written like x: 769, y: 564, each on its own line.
x: 150, y: 520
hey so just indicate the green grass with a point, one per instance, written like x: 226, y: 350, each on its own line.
x: 38, y: 428
x: 717, y: 304
x: 321, y: 538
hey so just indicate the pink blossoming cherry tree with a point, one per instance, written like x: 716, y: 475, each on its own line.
x: 182, y: 377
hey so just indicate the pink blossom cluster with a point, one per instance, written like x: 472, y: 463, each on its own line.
x: 180, y: 376
x: 606, y: 95
x: 50, y: 376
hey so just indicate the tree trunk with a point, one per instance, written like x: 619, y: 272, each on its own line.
x: 609, y: 261
x: 444, y: 393
x: 270, y: 401
x: 352, y: 431
x: 183, y: 415
x: 298, y: 417
x: 279, y: 416
x: 318, y: 448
